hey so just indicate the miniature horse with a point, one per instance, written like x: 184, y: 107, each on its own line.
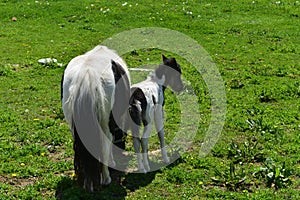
x: 146, y: 105
x: 89, y: 92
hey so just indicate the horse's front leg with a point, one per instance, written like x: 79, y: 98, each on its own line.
x: 159, y: 125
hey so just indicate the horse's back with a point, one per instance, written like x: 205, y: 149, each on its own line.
x: 97, y: 59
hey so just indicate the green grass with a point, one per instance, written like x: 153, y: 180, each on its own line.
x: 254, y: 44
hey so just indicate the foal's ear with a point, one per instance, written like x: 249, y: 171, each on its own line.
x: 164, y: 58
x: 173, y: 60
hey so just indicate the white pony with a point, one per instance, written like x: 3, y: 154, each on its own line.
x: 89, y: 88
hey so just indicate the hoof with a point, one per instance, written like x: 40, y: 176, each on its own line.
x: 147, y: 168
x: 143, y: 171
x: 112, y: 164
x: 167, y: 159
x: 107, y: 181
x: 141, y: 167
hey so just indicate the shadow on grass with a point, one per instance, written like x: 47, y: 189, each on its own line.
x: 121, y: 184
x: 67, y: 188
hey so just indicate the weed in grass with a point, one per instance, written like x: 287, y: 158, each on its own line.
x: 274, y: 175
x: 236, y: 84
x: 260, y: 126
x: 247, y: 152
x: 233, y: 177
x: 266, y: 97
x: 254, y: 111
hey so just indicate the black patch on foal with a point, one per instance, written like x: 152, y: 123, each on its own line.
x: 136, y: 114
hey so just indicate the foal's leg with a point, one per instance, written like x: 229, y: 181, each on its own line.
x: 147, y: 121
x: 145, y: 142
x: 159, y: 125
x: 136, y: 145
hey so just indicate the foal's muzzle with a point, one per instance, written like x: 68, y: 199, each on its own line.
x: 178, y: 87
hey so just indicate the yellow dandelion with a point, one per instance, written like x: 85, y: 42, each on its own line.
x: 73, y: 174
x: 22, y: 164
x: 13, y: 175
x: 200, y: 183
x: 43, y: 154
x: 36, y: 119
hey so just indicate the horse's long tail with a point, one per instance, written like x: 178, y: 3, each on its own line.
x: 86, y: 101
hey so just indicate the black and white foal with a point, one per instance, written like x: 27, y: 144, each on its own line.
x: 146, y: 105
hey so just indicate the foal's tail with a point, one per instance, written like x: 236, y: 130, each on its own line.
x: 86, y: 102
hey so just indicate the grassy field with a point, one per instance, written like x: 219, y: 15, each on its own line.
x: 254, y: 44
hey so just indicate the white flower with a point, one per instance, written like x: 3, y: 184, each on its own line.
x: 105, y: 11
x: 124, y: 4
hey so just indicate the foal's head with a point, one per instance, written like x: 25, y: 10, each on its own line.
x: 171, y: 71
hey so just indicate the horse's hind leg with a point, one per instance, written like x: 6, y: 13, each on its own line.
x: 106, y: 149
